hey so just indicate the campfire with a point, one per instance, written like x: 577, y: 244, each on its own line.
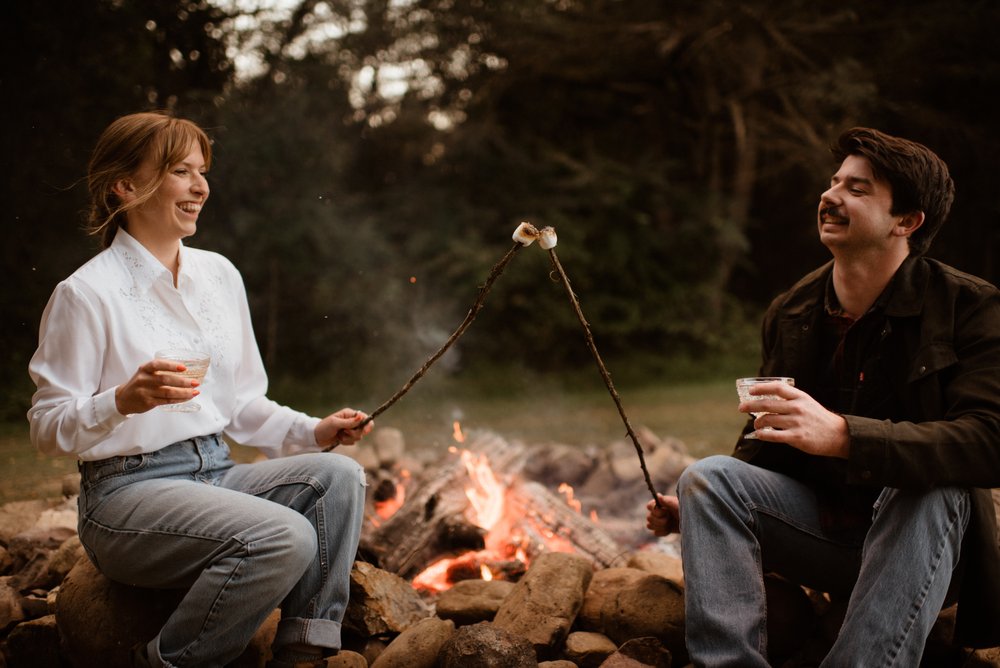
x: 477, y: 514
x: 477, y: 517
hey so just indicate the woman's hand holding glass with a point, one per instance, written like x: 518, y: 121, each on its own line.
x: 158, y: 382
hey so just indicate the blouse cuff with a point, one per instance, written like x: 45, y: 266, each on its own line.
x: 301, y: 436
x: 104, y: 411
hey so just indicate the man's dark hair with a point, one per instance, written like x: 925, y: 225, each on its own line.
x: 919, y: 178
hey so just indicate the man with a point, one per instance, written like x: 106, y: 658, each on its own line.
x: 871, y: 484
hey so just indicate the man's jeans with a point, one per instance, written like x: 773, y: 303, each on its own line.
x: 739, y: 521
x: 243, y: 538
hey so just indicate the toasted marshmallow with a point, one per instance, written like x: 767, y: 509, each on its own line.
x: 525, y: 234
x: 547, y: 238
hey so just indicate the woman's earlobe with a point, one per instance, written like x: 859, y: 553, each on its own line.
x: 123, y: 188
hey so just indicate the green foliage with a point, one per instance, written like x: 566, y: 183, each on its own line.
x: 70, y: 69
x: 369, y: 175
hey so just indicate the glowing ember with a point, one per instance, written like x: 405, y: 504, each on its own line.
x: 511, y: 537
x: 386, y: 509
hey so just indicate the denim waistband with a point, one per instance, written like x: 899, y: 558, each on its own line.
x: 202, y: 458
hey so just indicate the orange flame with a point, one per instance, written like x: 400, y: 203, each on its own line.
x: 507, y: 540
x: 457, y: 432
x: 571, y: 501
x: 386, y: 509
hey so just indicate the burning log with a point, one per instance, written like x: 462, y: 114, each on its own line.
x: 476, y: 516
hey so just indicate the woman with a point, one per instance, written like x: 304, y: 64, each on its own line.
x: 161, y: 502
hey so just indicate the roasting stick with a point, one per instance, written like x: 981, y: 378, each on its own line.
x: 519, y: 243
x: 547, y: 240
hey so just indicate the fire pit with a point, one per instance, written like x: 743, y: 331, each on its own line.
x: 476, y: 513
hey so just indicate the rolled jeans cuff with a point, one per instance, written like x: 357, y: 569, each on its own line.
x: 316, y: 632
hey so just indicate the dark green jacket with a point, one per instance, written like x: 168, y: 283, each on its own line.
x: 938, y: 360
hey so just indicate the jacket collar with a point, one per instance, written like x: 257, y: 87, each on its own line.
x: 903, y: 296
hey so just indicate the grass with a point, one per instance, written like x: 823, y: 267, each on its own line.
x: 576, y: 410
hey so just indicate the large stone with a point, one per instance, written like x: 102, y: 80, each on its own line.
x: 35, y: 643
x: 381, y: 602
x: 19, y: 516
x: 627, y: 603
x: 32, y: 551
x: 544, y: 604
x: 100, y: 620
x: 587, y: 649
x: 417, y: 646
x: 64, y: 558
x: 646, y: 651
x: 483, y: 645
x: 346, y: 659
x: 472, y: 601
x: 389, y: 446
x: 11, y: 611
x: 660, y: 563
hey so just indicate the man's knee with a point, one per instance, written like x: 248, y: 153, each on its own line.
x: 706, y: 473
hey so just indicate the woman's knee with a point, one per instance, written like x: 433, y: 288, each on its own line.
x: 290, y: 536
x: 342, y: 477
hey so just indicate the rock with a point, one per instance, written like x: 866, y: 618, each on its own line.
x: 381, y: 602
x: 64, y: 558
x: 31, y: 552
x: 561, y: 663
x: 71, y: 484
x: 587, y: 649
x: 389, y: 446
x: 639, y: 653
x: 100, y: 620
x: 35, y: 643
x: 660, y: 563
x: 544, y: 604
x: 471, y: 601
x: 555, y: 464
x: 484, y: 645
x: 983, y: 658
x: 19, y: 516
x: 626, y: 603
x: 6, y: 561
x: 347, y: 659
x: 11, y: 612
x: 417, y: 646
x: 259, y: 649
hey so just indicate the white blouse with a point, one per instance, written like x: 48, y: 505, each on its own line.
x: 110, y: 317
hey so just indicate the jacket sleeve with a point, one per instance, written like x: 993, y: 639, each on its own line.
x: 954, y: 382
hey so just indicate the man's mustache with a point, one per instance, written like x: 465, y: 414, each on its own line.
x: 832, y: 211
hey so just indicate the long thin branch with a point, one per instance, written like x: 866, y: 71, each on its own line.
x: 484, y: 290
x: 604, y: 371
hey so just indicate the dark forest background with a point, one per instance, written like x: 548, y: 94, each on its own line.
x: 372, y: 158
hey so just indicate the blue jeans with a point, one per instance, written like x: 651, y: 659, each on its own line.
x: 739, y: 521
x: 243, y: 539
